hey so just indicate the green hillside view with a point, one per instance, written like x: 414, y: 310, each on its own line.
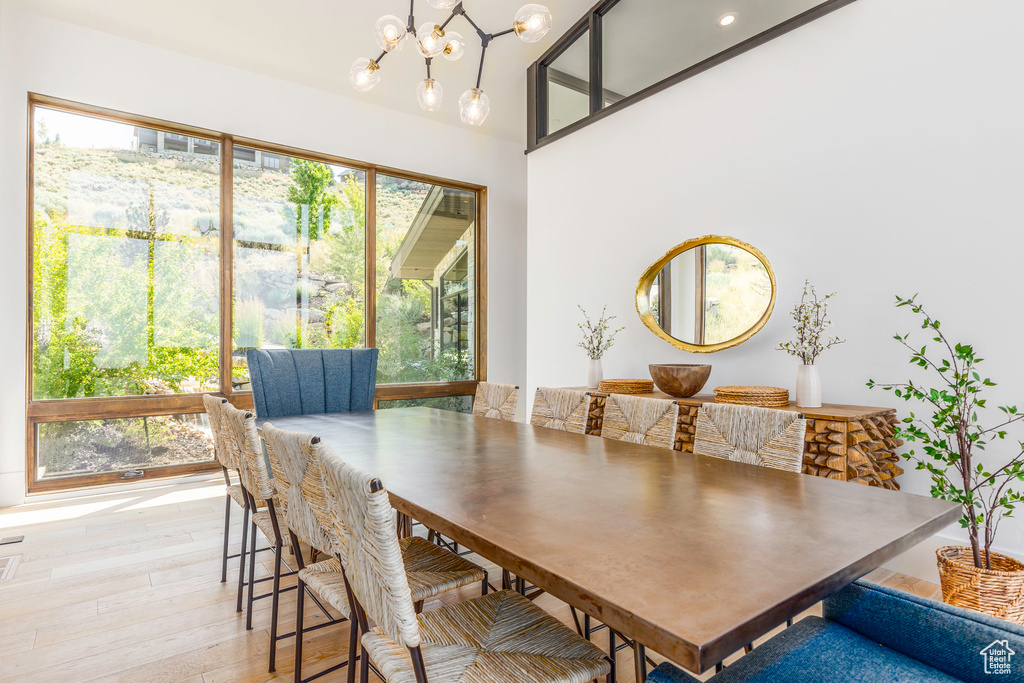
x: 126, y: 285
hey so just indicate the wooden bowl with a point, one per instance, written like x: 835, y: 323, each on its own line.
x: 680, y: 380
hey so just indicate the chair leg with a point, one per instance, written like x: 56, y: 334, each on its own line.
x: 353, y: 646
x: 640, y: 661
x: 586, y: 626
x: 227, y: 536
x: 241, y: 557
x: 506, y: 580
x: 252, y: 576
x: 611, y: 656
x: 364, y: 666
x: 300, y: 598
x: 275, y: 603
x: 483, y: 585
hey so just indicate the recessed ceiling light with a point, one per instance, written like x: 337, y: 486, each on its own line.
x: 727, y: 19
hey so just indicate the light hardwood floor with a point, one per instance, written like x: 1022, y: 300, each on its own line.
x: 126, y: 586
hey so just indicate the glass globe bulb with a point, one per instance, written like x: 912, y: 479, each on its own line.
x: 364, y: 74
x: 455, y: 47
x: 474, y: 106
x: 429, y: 93
x: 442, y: 4
x: 390, y: 32
x: 430, y: 39
x: 532, y: 23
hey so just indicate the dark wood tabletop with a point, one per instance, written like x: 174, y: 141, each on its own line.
x: 693, y: 556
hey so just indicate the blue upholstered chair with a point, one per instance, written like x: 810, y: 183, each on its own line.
x: 874, y: 634
x: 312, y: 381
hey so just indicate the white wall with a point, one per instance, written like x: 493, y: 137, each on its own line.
x: 877, y: 151
x: 63, y: 60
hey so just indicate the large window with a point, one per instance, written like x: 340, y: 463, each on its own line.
x: 141, y: 301
x: 126, y: 260
x: 426, y: 299
x: 299, y: 256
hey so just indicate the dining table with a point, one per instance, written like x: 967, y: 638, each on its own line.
x: 693, y: 557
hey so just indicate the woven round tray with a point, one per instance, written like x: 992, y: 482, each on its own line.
x: 764, y: 397
x: 626, y: 386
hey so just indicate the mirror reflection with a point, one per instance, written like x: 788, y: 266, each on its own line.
x: 710, y: 294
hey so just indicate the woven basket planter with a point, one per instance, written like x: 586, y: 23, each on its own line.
x: 998, y: 591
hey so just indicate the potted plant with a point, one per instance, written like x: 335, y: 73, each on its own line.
x: 597, y: 338
x: 952, y: 439
x: 811, y: 316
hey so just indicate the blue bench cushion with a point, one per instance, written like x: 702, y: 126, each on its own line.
x: 948, y: 638
x: 311, y: 381
x: 815, y: 650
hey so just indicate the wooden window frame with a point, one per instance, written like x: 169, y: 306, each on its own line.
x: 41, y: 411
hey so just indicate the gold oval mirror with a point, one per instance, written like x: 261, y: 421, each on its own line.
x: 707, y: 294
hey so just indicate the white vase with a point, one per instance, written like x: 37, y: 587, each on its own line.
x: 808, y: 387
x: 595, y: 374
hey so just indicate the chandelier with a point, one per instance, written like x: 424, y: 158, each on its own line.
x: 531, y: 23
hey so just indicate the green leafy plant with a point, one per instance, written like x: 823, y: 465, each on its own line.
x: 347, y: 324
x: 312, y: 196
x: 952, y: 437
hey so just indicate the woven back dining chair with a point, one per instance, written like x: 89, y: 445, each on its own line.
x: 753, y: 435
x: 295, y: 460
x: 500, y: 637
x: 498, y: 401
x: 295, y: 463
x: 563, y: 409
x: 227, y: 458
x: 288, y: 382
x: 258, y: 485
x: 646, y: 421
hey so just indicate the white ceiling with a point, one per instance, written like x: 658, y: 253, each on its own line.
x: 314, y: 42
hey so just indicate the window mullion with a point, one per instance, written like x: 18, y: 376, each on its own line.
x: 227, y: 254
x: 370, y: 267
x: 596, y: 60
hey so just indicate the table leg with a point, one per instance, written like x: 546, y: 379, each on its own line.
x: 640, y: 661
